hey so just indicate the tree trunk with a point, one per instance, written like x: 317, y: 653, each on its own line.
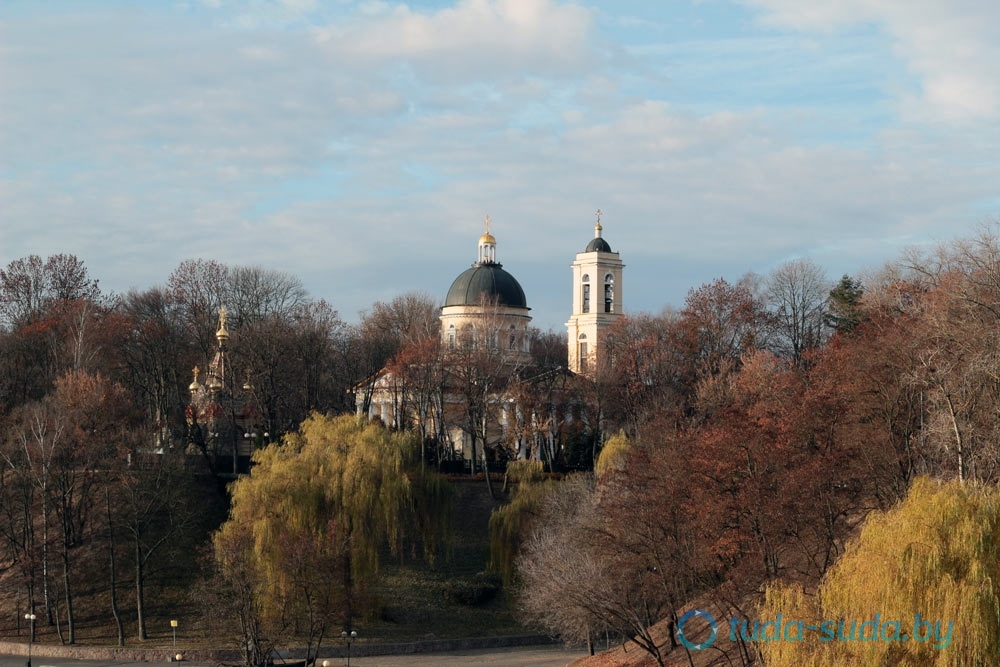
x: 70, y: 621
x: 115, y: 612
x: 472, y: 435
x: 140, y: 606
x: 959, y: 441
x: 348, y: 586
x: 46, y: 595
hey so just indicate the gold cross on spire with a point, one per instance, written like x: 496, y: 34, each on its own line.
x: 487, y: 223
x: 598, y: 216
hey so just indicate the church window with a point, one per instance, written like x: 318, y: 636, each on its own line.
x: 582, y: 346
x: 451, y: 336
x: 468, y: 339
x: 609, y: 293
x: 512, y: 342
x: 586, y: 294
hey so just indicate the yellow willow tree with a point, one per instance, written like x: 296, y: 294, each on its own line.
x: 307, y: 525
x: 919, y: 587
x: 510, y: 523
x: 614, y: 454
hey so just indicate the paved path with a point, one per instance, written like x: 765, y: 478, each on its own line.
x: 530, y: 656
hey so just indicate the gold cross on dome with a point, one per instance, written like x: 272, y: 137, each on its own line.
x: 598, y: 216
x: 487, y: 223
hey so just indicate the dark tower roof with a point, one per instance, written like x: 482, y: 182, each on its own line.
x: 489, y: 282
x: 598, y: 245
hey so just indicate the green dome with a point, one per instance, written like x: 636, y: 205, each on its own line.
x: 489, y: 280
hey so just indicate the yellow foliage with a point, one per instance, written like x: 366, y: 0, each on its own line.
x: 937, y: 554
x: 509, y: 524
x: 525, y: 471
x: 613, y: 454
x: 337, y: 490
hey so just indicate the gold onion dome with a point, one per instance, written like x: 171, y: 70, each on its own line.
x: 194, y: 387
x: 223, y: 333
x: 487, y: 237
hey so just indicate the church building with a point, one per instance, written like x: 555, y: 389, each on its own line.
x: 481, y: 398
x: 485, y: 321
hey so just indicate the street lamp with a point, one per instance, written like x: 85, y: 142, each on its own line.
x: 31, y: 633
x: 347, y: 637
x: 173, y: 624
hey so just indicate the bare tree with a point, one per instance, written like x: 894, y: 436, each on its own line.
x: 153, y: 510
x: 481, y: 366
x: 156, y: 356
x: 556, y: 569
x: 255, y: 293
x: 29, y: 285
x: 586, y: 571
x: 384, y: 331
x: 408, y: 318
x: 200, y: 289
x: 798, y: 292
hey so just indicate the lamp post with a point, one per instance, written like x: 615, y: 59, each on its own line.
x: 347, y: 637
x: 31, y: 633
x: 173, y: 624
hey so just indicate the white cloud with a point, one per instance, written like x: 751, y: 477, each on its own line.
x: 364, y: 160
x: 474, y: 39
x: 950, y: 45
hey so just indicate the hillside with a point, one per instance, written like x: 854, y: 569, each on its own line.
x: 453, y: 598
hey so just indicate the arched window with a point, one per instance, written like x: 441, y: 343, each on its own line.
x: 512, y: 341
x: 451, y: 336
x: 468, y: 337
x: 586, y: 294
x: 582, y: 347
x: 609, y: 293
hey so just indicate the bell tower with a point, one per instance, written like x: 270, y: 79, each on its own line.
x: 597, y: 302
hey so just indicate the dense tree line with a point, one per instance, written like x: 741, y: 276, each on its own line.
x: 765, y: 420
x: 99, y: 495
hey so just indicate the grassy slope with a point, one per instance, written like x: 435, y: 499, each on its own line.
x: 414, y: 600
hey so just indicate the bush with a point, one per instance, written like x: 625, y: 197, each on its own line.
x: 475, y: 591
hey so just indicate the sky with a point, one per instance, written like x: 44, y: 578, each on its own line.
x: 360, y: 145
